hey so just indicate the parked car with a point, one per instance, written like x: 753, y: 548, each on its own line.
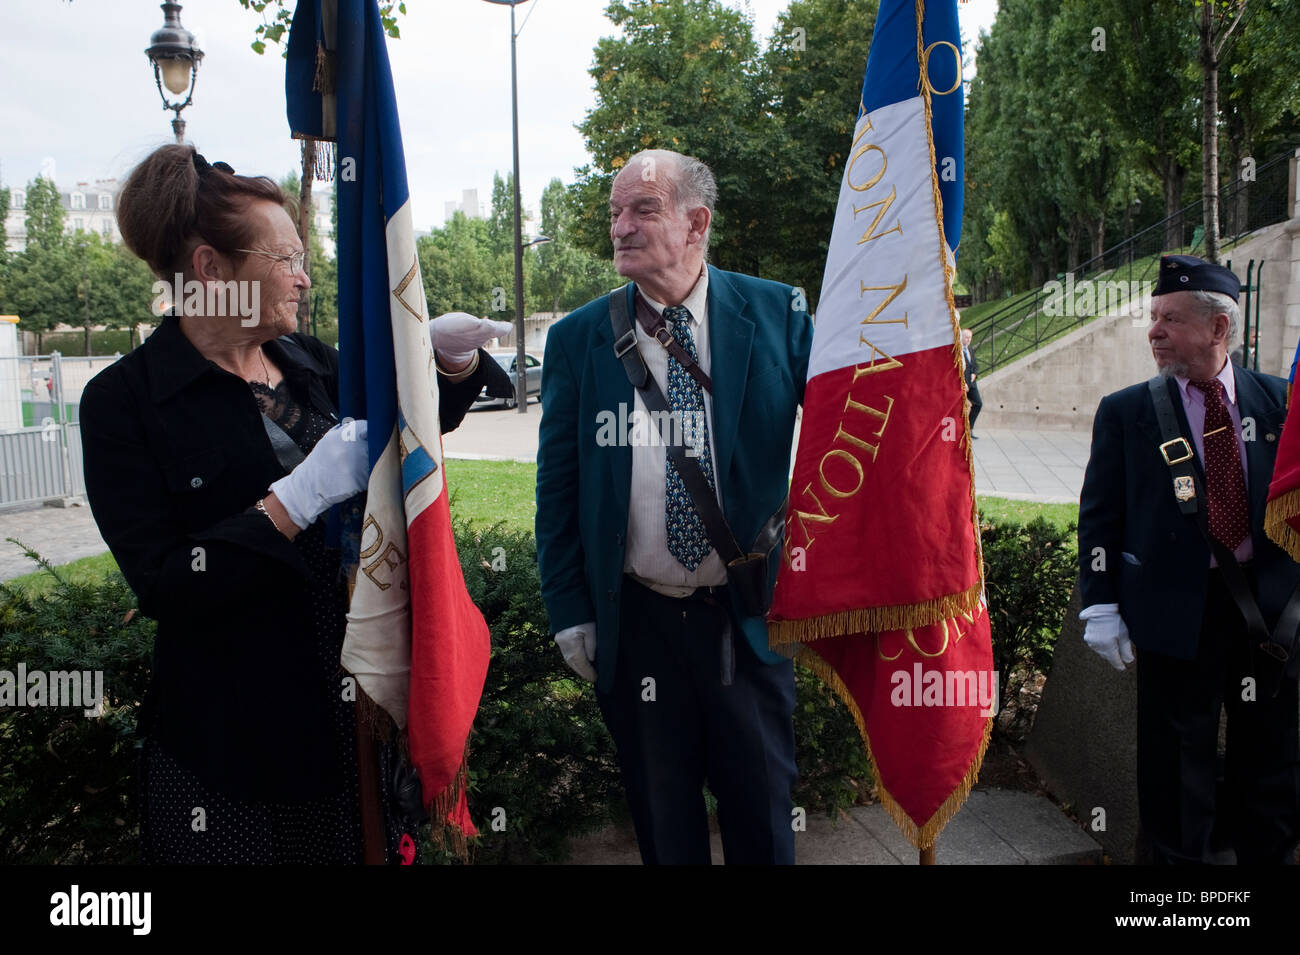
x: 533, y: 379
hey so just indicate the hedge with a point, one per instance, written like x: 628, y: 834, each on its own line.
x: 542, y: 763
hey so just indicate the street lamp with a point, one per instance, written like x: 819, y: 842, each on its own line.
x: 521, y: 386
x: 175, y: 57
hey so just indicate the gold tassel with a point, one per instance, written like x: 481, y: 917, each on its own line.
x: 924, y: 836
x: 1276, y: 514
x: 323, y: 81
x: 876, y: 619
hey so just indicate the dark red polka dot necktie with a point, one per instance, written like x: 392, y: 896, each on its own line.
x: 1225, y: 484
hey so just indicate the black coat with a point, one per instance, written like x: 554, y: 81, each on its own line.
x: 1156, y: 562
x: 175, y: 456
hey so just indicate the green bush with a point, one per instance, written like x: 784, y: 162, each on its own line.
x: 67, y: 782
x: 539, y: 751
x: 1029, y: 572
x: 834, y: 772
x: 109, y: 341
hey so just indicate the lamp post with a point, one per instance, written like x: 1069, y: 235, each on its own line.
x: 521, y: 393
x: 175, y: 57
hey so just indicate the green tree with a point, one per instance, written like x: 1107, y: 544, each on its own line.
x: 459, y: 270
x: 681, y: 76
x: 812, y: 75
x: 122, y: 291
x: 41, y: 286
x: 1011, y: 149
x: 563, y: 276
x: 501, y: 216
x: 44, y: 215
x: 4, y: 214
x: 1259, y: 98
x: 277, y: 15
x: 323, y: 297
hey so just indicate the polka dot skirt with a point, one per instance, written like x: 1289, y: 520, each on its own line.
x: 185, y: 821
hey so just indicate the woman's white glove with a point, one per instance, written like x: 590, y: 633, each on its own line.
x: 456, y: 336
x: 337, y: 468
x: 578, y: 647
x: 1107, y: 634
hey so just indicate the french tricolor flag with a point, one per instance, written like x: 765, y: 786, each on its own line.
x: 415, y: 642
x: 880, y: 590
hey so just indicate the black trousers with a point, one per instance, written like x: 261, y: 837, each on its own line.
x: 1181, y: 807
x: 676, y: 727
x: 976, y: 404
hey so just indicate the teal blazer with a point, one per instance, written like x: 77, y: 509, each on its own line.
x: 759, y: 339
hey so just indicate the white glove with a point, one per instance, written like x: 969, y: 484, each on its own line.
x: 578, y: 646
x: 337, y: 468
x: 458, y: 335
x: 1107, y: 635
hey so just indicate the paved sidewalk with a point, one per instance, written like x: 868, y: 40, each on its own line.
x: 995, y: 827
x: 60, y: 534
x: 1025, y: 465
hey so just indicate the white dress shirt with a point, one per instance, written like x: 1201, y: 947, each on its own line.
x: 647, y: 557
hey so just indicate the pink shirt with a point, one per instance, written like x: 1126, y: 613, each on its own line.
x: 1194, y: 406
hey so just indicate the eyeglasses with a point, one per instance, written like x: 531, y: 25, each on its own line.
x: 296, y: 260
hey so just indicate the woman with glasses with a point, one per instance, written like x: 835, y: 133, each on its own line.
x: 212, y: 453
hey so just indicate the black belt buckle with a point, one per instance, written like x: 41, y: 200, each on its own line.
x: 1186, y: 453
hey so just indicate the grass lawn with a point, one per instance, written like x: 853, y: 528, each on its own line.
x: 488, y: 492
x: 86, y: 569
x: 997, y: 509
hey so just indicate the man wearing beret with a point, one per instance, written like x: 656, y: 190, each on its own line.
x: 1173, y: 560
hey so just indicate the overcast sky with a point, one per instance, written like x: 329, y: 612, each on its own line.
x: 75, y: 85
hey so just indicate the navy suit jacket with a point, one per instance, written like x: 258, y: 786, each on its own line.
x: 758, y: 345
x: 1153, y: 560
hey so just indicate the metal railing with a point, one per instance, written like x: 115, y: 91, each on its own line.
x: 1035, y: 318
x: 40, y: 429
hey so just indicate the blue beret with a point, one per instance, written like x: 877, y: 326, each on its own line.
x: 1187, y: 273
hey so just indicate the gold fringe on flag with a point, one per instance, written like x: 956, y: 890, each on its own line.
x: 1276, y: 516
x: 923, y: 836
x: 876, y: 619
x: 443, y: 832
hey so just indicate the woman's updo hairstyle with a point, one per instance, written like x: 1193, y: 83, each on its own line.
x: 174, y: 200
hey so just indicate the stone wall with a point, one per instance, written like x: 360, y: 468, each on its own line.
x: 1059, y: 386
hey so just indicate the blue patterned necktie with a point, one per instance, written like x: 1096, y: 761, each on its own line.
x: 688, y: 541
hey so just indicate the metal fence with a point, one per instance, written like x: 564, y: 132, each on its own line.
x: 40, y: 428
x: 1029, y: 321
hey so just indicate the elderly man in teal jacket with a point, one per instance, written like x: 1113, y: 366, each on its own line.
x: 638, y: 596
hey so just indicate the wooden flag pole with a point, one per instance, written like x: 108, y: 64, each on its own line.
x: 927, y: 856
x: 372, y: 812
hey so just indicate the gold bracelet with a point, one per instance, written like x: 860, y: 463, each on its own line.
x: 261, y: 507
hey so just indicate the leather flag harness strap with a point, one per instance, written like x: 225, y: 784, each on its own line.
x: 1178, y: 453
x: 746, y: 572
